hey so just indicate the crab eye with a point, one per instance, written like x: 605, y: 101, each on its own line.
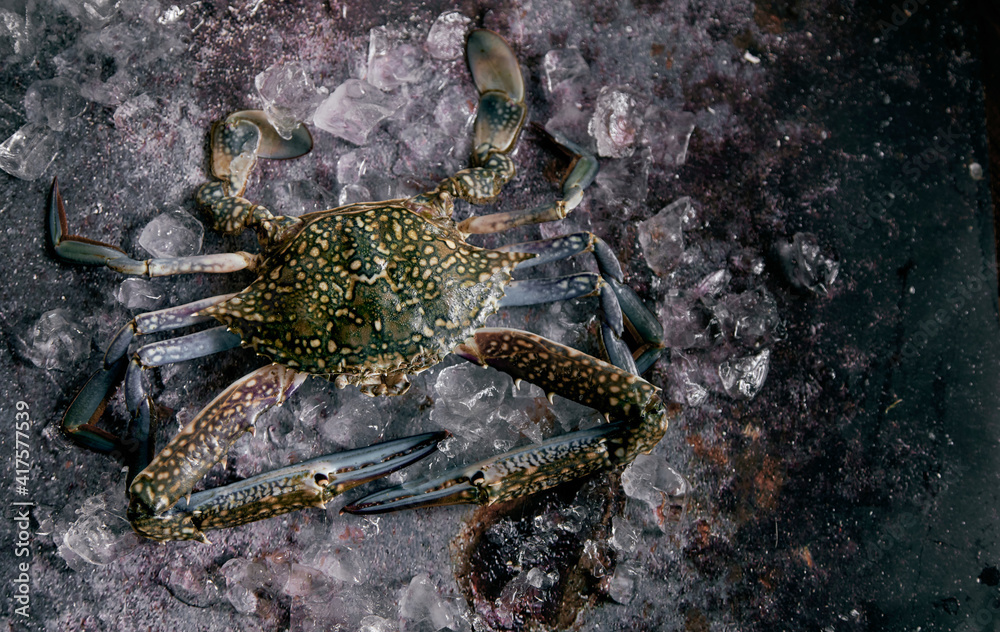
x: 322, y: 480
x: 478, y: 478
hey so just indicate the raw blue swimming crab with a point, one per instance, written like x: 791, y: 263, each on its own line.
x: 365, y: 295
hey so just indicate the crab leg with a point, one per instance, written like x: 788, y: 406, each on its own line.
x: 80, y: 419
x: 81, y: 250
x: 311, y: 483
x: 581, y: 175
x: 206, y: 439
x: 635, y: 405
x: 538, y: 291
x: 615, y: 297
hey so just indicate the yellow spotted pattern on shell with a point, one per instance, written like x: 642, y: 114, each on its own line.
x: 371, y: 289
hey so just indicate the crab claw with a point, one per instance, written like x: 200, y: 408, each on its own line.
x: 517, y: 473
x: 501, y: 111
x: 493, y: 65
x: 311, y: 483
x: 247, y: 135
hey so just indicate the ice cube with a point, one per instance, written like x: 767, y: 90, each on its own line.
x: 421, y: 602
x: 392, y: 61
x: 427, y: 146
x: 563, y: 64
x: 621, y: 186
x: 621, y: 586
x: 455, y: 111
x: 662, y: 236
x: 189, y: 582
x: 304, y: 581
x: 289, y: 96
x: 29, y: 151
x: 351, y: 167
x: 446, y: 39
x: 338, y: 562
x: 713, y: 284
x: 749, y: 317
x: 805, y: 267
x: 685, y: 322
x: 538, y: 578
x: 616, y: 123
x: 624, y: 536
x: 54, y: 102
x: 743, y: 378
x: 667, y: 134
x: 99, y: 12
x: 353, y: 193
x: 172, y: 234
x: 373, y: 623
x: 16, y: 30
x: 242, y: 599
x: 140, y: 294
x: 116, y: 90
x: 354, y: 109
x: 650, y: 480
x: 99, y: 536
x: 55, y: 342
x: 468, y: 399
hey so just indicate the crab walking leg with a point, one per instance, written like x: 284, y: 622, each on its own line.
x: 538, y: 291
x: 82, y: 415
x: 644, y: 326
x: 159, y: 321
x: 640, y: 416
x: 81, y: 250
x: 139, y: 404
x: 311, y: 483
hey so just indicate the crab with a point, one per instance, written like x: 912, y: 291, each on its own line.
x: 366, y: 295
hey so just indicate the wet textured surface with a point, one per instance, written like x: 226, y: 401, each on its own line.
x: 828, y: 293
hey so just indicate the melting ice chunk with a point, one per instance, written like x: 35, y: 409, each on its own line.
x: 563, y: 64
x: 446, y: 39
x: 236, y: 572
x: 354, y: 109
x: 538, y: 578
x: 140, y: 294
x: 743, y: 378
x: 54, y: 102
x: 649, y: 479
x: 667, y: 134
x: 98, y: 536
x: 289, y: 96
x: 622, y: 585
x: 392, y: 61
x: 624, y: 536
x: 468, y: 397
x: 29, y: 151
x: 421, y: 602
x: 662, y: 236
x: 804, y: 265
x: 55, y: 341
x: 172, y: 234
x: 353, y: 193
x: 373, y: 623
x: 615, y: 124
